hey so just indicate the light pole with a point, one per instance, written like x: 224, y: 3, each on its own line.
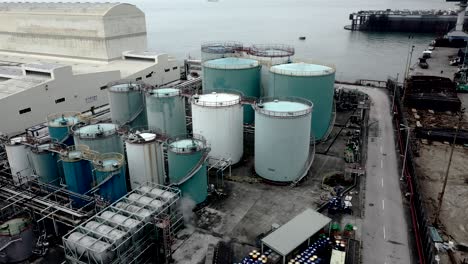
x: 406, y: 147
x: 441, y: 195
x: 394, y: 92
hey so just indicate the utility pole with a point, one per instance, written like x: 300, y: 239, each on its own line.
x: 406, y: 149
x: 441, y: 195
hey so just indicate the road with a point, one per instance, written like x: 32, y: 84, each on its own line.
x: 384, y: 229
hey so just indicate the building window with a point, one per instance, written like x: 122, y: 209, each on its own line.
x: 138, y: 79
x: 175, y: 68
x: 149, y: 75
x: 167, y: 70
x: 24, y: 111
x: 103, y: 87
x: 60, y: 100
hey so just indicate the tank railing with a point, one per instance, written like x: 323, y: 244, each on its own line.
x: 165, y: 94
x: 302, y: 73
x: 221, y: 47
x: 131, y: 84
x: 271, y: 50
x: 210, y: 64
x: 101, y: 157
x: 199, y: 143
x: 258, y: 107
x: 331, y: 125
x: 310, y: 161
x: 196, y: 100
x: 66, y: 114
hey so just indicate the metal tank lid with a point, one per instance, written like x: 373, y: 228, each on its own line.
x: 76, y: 153
x: 143, y: 137
x: 14, y: 226
x: 108, y: 161
x: 95, y: 130
x: 186, y: 143
x: 43, y: 148
x: 215, y: 99
x: 124, y: 87
x: 164, y: 92
x: 302, y: 69
x: 284, y: 107
x: 64, y: 119
x: 231, y: 63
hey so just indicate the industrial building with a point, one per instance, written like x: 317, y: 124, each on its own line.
x: 129, y: 152
x: 64, y: 54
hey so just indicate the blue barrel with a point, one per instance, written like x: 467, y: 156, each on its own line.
x: 77, y: 170
x: 59, y: 126
x: 44, y: 163
x: 109, y: 176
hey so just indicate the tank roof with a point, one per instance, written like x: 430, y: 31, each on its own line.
x: 284, y: 107
x: 231, y: 63
x: 108, y: 161
x: 165, y: 92
x: 187, y: 145
x: 14, y: 226
x: 215, y: 99
x: 96, y: 129
x: 302, y: 69
x: 63, y: 121
x: 124, y: 87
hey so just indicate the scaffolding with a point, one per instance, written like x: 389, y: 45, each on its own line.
x: 131, y: 228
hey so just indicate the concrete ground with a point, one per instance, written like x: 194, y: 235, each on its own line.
x: 438, y: 63
x: 253, y: 206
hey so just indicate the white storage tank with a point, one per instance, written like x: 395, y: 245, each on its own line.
x: 105, y: 230
x: 165, y: 195
x: 145, y: 200
x: 95, y: 250
x: 145, y: 159
x: 17, y: 155
x: 137, y: 210
x: 282, y: 138
x: 120, y: 219
x: 218, y: 117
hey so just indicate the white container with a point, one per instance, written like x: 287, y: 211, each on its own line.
x: 158, y: 193
x: 145, y: 159
x: 17, y: 154
x: 139, y: 211
x: 218, y: 117
x: 105, y: 230
x: 157, y: 204
x: 98, y: 251
x: 120, y: 219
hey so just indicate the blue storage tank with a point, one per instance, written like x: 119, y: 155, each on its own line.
x: 165, y: 109
x: 103, y: 137
x: 45, y: 164
x: 127, y: 104
x: 236, y: 74
x: 309, y: 81
x: 109, y: 176
x: 187, y: 166
x: 77, y: 168
x: 60, y: 124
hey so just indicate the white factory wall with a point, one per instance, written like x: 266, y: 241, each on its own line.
x: 80, y: 93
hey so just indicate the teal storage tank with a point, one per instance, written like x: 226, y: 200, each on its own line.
x: 309, y: 81
x: 45, y: 164
x: 103, y: 137
x: 187, y: 166
x: 216, y: 50
x: 109, y: 176
x: 127, y: 105
x: 77, y: 168
x: 282, y: 138
x: 165, y: 108
x: 60, y: 124
x: 236, y: 74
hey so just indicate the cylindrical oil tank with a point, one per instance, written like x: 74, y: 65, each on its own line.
x: 218, y: 118
x: 83, y: 245
x: 185, y: 155
x: 103, y: 138
x: 309, y: 81
x: 237, y: 74
x: 17, y: 155
x: 127, y: 105
x: 216, y: 50
x: 60, y: 125
x: 145, y: 159
x: 282, y: 138
x: 109, y: 174
x: 166, y: 111
x: 20, y: 231
x: 77, y: 169
x: 269, y: 55
x: 45, y: 164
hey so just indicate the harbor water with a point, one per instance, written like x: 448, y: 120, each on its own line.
x: 178, y: 27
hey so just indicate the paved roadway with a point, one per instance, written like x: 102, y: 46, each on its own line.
x: 384, y: 228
